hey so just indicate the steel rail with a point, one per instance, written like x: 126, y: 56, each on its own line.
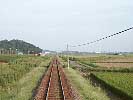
x: 60, y: 82
x: 49, y: 83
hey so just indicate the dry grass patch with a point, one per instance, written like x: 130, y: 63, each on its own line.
x: 123, y: 65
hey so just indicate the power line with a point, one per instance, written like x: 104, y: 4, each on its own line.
x: 102, y: 38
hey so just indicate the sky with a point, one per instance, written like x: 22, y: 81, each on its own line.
x: 52, y: 24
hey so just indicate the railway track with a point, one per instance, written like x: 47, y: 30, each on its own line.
x: 54, y: 85
x: 55, y: 91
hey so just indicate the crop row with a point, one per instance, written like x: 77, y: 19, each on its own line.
x: 118, y: 83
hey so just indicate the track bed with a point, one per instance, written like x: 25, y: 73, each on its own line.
x: 55, y: 85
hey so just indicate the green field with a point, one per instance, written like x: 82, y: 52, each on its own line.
x: 117, y: 79
x: 8, y: 58
x: 115, y: 63
x: 121, y: 81
x: 19, y: 77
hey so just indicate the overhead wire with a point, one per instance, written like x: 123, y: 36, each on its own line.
x: 102, y: 38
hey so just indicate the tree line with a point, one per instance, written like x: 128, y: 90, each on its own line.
x: 15, y: 46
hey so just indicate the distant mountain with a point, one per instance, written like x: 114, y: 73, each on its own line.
x: 20, y: 46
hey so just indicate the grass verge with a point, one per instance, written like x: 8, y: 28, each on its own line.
x: 84, y: 87
x: 19, y: 78
x: 23, y: 89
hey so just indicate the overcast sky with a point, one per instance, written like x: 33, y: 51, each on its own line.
x: 51, y: 24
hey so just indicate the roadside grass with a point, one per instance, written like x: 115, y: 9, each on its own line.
x: 63, y: 62
x: 84, y: 87
x: 14, y: 70
x: 19, y: 78
x: 23, y: 89
x: 28, y: 83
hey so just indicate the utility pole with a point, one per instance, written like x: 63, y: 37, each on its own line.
x: 10, y: 51
x: 16, y: 51
x: 68, y: 55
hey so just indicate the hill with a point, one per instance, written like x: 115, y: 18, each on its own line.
x: 18, y: 46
